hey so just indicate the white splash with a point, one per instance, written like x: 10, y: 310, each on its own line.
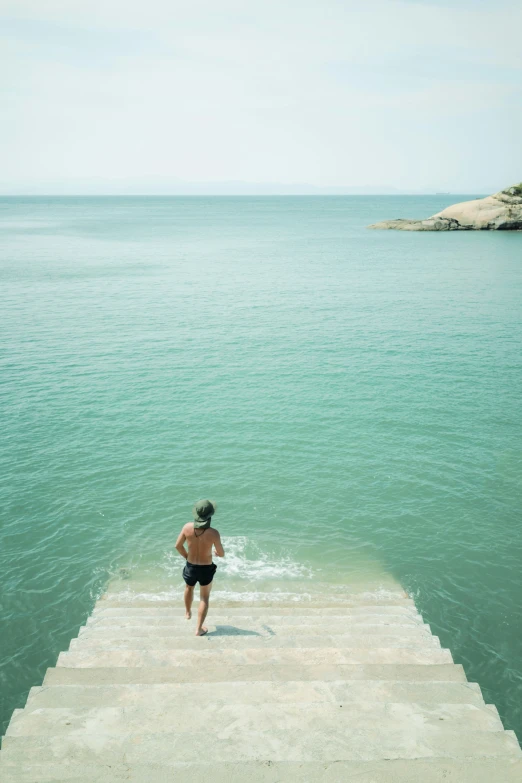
x: 245, y: 560
x: 249, y: 574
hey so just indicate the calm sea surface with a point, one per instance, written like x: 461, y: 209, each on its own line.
x: 352, y: 399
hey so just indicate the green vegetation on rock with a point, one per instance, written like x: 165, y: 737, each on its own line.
x: 514, y: 190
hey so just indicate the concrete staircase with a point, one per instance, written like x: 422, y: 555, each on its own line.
x: 360, y: 691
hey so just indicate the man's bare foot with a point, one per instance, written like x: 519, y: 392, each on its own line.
x: 188, y: 615
x: 201, y: 631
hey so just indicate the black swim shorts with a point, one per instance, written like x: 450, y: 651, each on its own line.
x: 203, y: 574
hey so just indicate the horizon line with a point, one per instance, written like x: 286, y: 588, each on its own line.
x: 246, y: 195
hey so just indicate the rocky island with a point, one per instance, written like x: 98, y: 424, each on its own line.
x: 502, y: 211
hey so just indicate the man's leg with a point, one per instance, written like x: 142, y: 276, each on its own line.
x: 188, y: 597
x: 204, y: 595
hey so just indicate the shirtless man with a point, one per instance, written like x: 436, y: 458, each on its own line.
x: 200, y: 538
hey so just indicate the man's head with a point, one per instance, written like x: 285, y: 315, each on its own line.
x: 202, y: 512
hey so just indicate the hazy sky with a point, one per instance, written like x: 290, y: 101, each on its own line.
x: 144, y: 95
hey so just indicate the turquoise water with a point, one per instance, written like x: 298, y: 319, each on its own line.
x: 351, y: 399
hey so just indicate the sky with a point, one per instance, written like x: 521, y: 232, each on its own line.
x: 225, y: 96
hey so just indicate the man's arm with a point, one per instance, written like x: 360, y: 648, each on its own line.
x: 180, y: 544
x: 218, y: 546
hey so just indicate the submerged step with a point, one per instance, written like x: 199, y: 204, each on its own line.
x: 111, y: 602
x: 129, y: 610
x: 181, y: 694
x: 375, y: 718
x: 221, y: 657
x: 339, y: 743
x: 268, y: 671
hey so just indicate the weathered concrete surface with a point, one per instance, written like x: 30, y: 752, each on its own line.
x: 272, y: 672
x: 241, y: 642
x: 501, y: 211
x: 336, y: 620
x: 263, y: 692
x: 172, y: 629
x: 360, y: 692
x: 258, y: 717
x: 312, y: 656
x: 341, y: 743
x: 388, y: 771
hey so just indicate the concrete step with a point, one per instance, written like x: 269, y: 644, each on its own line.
x: 257, y: 611
x: 181, y: 628
x: 129, y: 675
x: 222, y: 719
x: 340, y: 743
x: 82, y: 658
x: 265, y: 691
x: 144, y: 603
x: 498, y: 770
x: 297, y: 693
x: 242, y: 621
x: 240, y: 642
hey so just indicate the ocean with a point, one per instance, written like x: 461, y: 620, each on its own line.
x: 350, y: 398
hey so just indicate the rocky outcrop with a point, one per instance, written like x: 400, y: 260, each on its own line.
x: 500, y: 212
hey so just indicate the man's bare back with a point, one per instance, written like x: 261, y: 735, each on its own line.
x: 200, y: 544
